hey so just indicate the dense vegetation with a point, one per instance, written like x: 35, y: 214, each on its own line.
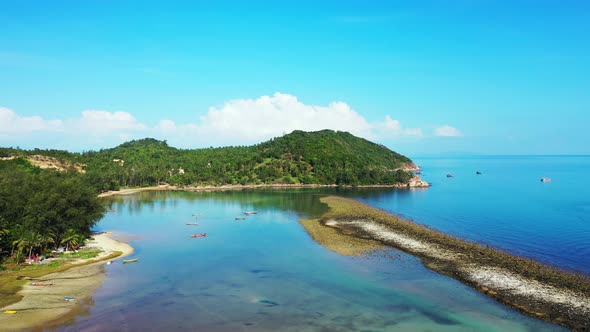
x: 324, y: 157
x: 42, y: 209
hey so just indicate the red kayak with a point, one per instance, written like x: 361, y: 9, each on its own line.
x: 199, y: 235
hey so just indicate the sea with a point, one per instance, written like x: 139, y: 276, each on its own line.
x: 265, y: 273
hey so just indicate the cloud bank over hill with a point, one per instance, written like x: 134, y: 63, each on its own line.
x: 235, y: 122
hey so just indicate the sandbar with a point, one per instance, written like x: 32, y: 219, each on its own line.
x: 532, y: 288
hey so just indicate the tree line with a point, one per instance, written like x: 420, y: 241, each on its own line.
x: 41, y: 210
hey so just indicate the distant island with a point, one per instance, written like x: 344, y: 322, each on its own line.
x: 300, y: 158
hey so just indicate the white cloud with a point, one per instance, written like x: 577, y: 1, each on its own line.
x: 391, y: 127
x: 270, y: 116
x: 104, y: 122
x: 236, y: 122
x: 446, y: 131
x: 10, y: 122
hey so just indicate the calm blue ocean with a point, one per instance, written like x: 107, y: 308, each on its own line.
x: 265, y: 273
x: 507, y: 206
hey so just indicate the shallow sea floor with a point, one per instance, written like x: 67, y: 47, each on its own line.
x: 266, y: 274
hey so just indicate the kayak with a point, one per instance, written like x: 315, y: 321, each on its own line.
x: 199, y: 235
x: 127, y: 261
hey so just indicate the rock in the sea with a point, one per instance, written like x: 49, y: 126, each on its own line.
x: 417, y: 182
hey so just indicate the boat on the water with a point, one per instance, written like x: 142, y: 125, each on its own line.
x: 250, y: 212
x: 240, y: 218
x: 450, y: 175
x: 191, y: 224
x: 478, y: 172
x: 199, y: 235
x: 133, y: 260
x: 545, y: 179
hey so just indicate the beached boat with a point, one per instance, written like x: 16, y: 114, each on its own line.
x: 250, y: 212
x: 199, y: 235
x: 68, y: 298
x: 42, y: 284
x: 133, y: 260
x: 10, y: 312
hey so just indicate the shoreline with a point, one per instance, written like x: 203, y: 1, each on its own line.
x: 41, y: 306
x: 530, y: 287
x: 415, y: 184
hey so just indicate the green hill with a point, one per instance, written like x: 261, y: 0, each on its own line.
x: 322, y: 157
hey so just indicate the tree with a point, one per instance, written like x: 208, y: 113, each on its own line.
x: 72, y: 239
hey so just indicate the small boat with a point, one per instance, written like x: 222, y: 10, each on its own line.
x: 69, y: 298
x: 250, y: 212
x: 199, y: 235
x: 111, y: 211
x: 240, y: 218
x: 545, y: 179
x: 133, y: 260
x: 191, y: 224
x: 478, y: 172
x: 10, y: 312
x: 42, y: 284
x: 450, y: 175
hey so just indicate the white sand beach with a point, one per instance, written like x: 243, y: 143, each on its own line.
x: 44, y: 305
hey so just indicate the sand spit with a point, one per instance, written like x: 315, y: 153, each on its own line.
x: 46, y: 305
x: 414, y: 184
x: 530, y: 287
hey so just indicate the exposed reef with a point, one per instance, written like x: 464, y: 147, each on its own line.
x: 540, y: 291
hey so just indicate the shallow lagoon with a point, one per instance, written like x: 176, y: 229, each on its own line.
x: 266, y: 274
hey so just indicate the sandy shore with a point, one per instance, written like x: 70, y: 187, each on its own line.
x: 136, y: 190
x: 415, y: 185
x: 45, y: 305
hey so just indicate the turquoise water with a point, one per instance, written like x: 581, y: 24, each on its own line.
x: 266, y: 274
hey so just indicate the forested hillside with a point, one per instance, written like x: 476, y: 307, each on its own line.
x: 323, y: 157
x: 57, y: 205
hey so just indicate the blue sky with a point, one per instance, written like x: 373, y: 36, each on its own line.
x: 424, y: 77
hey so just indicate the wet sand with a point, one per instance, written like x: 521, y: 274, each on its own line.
x: 43, y: 305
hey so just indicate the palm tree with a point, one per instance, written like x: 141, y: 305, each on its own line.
x: 21, y: 243
x: 34, y: 240
x: 72, y: 239
x: 47, y: 239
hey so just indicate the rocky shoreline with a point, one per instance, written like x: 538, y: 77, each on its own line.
x: 539, y: 291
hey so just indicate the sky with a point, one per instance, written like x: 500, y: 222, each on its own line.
x: 420, y: 77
